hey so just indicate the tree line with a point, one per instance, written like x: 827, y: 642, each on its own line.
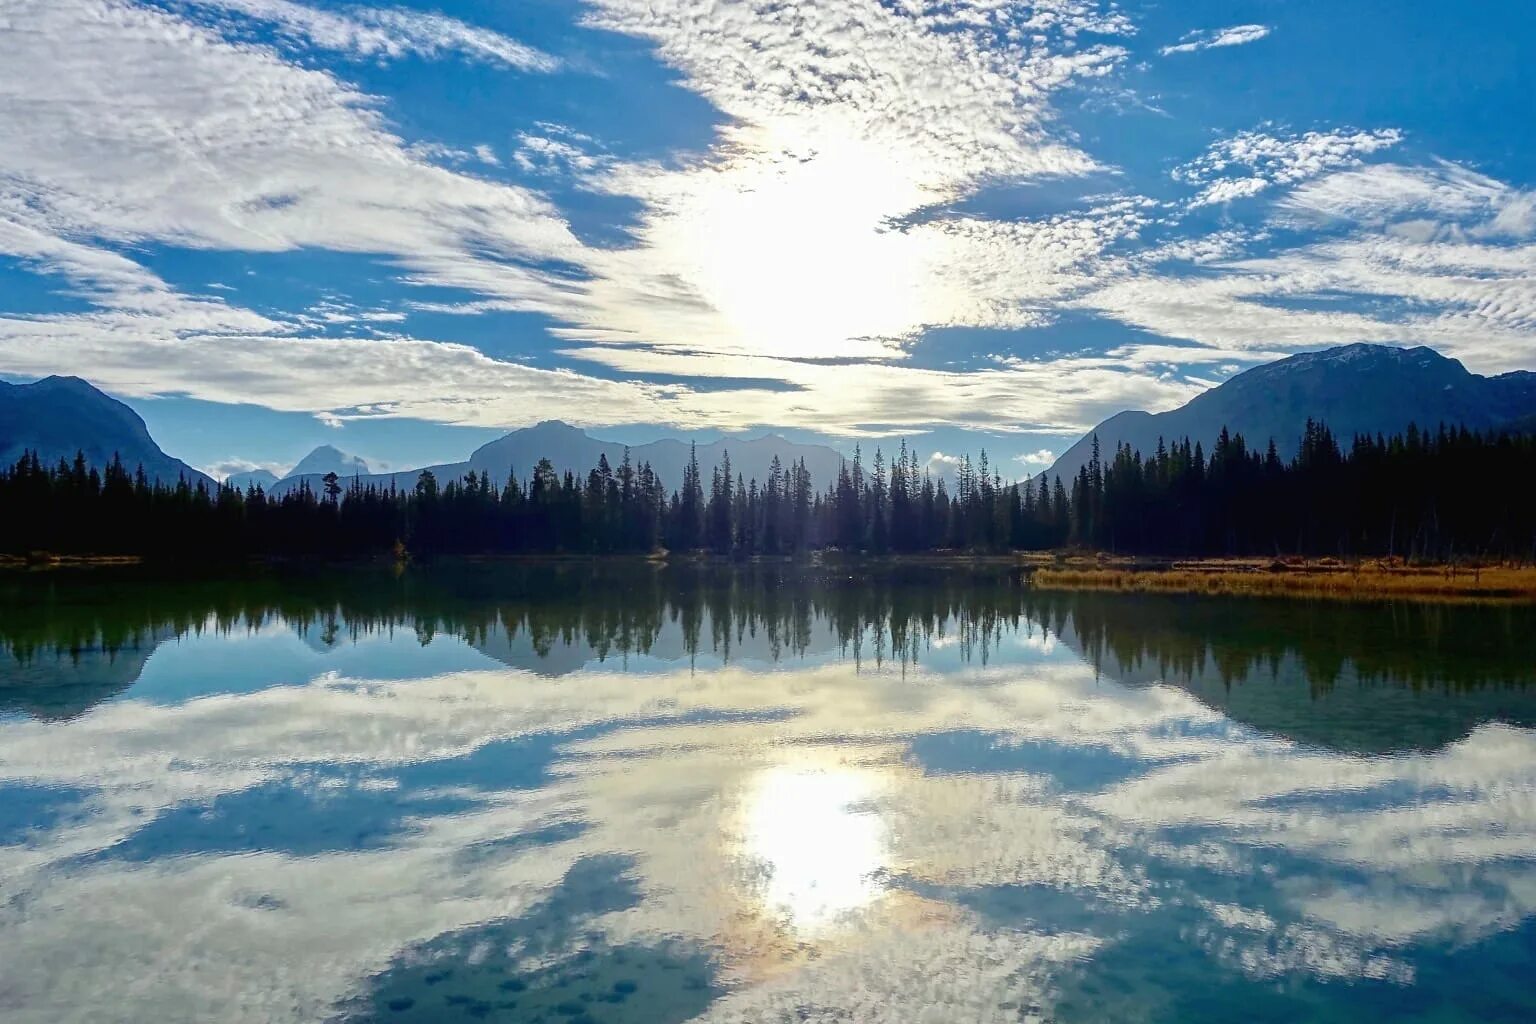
x: 1428, y: 495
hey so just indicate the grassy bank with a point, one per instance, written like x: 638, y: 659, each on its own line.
x: 1291, y: 577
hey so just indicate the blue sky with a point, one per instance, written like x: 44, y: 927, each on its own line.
x: 405, y: 229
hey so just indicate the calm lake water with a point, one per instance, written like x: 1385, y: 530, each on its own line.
x: 647, y: 796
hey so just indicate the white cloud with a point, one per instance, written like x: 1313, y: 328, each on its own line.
x: 1209, y: 39
x: 555, y: 153
x: 1037, y: 459
x: 384, y: 33
x: 804, y: 232
x: 447, y: 383
x: 1487, y: 323
x: 845, y: 119
x: 225, y: 468
x: 1263, y: 160
x: 1453, y: 200
x: 885, y: 399
x: 152, y: 129
x: 943, y: 463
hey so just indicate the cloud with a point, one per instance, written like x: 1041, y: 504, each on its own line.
x: 942, y: 463
x: 959, y: 97
x: 226, y: 468
x: 884, y: 399
x: 1454, y: 199
x: 1433, y: 256
x: 557, y: 151
x: 809, y: 244
x: 835, y: 140
x: 1263, y: 160
x: 153, y: 129
x: 405, y: 377
x: 1209, y: 39
x: 844, y: 120
x: 1043, y: 457
x: 383, y: 33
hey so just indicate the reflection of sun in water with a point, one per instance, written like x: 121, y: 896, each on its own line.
x: 816, y: 844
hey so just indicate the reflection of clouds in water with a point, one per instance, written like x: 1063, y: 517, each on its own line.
x: 938, y: 975
x: 807, y: 774
x: 1447, y: 840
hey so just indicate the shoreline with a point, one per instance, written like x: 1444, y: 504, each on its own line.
x: 1365, y: 579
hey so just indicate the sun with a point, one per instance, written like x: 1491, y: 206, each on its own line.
x: 796, y: 252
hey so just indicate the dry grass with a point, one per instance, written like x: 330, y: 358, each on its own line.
x: 45, y: 560
x: 1296, y: 578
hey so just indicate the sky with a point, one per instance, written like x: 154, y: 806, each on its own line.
x: 406, y: 229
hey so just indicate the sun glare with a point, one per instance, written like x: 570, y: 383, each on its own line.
x: 796, y: 255
x: 815, y: 843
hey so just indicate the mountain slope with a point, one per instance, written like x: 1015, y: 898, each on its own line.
x: 1354, y: 389
x: 1524, y: 425
x: 58, y: 416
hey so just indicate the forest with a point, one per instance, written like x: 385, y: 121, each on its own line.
x: 1420, y: 495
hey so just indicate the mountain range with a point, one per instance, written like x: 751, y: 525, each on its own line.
x: 573, y: 449
x: 1354, y: 389
x: 324, y: 459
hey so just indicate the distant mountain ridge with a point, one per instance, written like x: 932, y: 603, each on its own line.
x: 571, y: 449
x: 263, y: 478
x: 59, y: 416
x: 324, y: 459
x: 1353, y: 389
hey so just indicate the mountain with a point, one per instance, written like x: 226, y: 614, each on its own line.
x: 570, y: 448
x: 326, y: 459
x: 573, y: 449
x: 1354, y: 389
x: 59, y: 416
x: 1524, y: 425
x: 263, y: 478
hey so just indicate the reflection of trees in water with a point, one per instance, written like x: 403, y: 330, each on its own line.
x: 890, y: 614
x: 608, y: 609
x: 1415, y: 645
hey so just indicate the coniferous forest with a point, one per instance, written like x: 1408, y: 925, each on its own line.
x: 1421, y: 495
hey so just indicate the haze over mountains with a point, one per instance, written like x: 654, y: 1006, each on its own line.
x: 569, y: 448
x: 1354, y: 389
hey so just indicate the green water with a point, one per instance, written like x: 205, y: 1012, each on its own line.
x: 641, y: 795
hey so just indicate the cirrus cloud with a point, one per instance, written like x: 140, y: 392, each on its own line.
x: 1210, y: 39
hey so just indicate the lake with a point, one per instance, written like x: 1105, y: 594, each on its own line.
x: 631, y: 794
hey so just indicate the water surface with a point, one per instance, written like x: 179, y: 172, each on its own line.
x: 645, y: 795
